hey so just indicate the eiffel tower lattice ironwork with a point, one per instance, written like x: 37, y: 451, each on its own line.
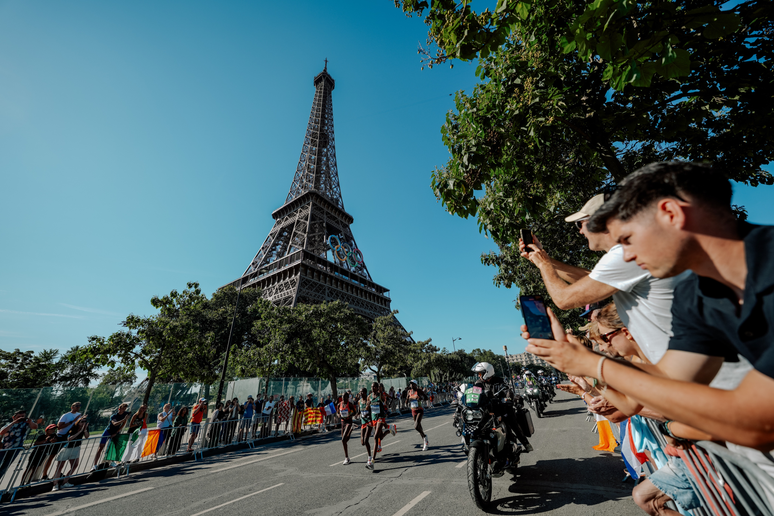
x: 311, y: 255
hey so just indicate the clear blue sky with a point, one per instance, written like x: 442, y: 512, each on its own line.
x: 145, y: 144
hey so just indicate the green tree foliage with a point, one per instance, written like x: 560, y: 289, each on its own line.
x: 389, y: 348
x: 323, y: 340
x: 576, y: 95
x: 30, y: 370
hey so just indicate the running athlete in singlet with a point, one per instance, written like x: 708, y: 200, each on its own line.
x: 414, y: 398
x: 346, y: 412
x: 376, y: 405
x: 386, y: 428
x: 365, y: 424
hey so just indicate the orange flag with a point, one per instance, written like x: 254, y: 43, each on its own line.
x: 151, y: 443
x: 606, y: 438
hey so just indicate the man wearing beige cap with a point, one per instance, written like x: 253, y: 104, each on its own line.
x: 643, y: 302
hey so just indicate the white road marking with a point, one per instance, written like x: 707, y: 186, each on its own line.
x: 366, y: 453
x: 461, y: 465
x: 240, y: 498
x: 406, y: 508
x: 79, y: 507
x: 250, y: 462
x: 439, y: 426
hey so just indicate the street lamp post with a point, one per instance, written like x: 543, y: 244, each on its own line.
x: 453, y: 340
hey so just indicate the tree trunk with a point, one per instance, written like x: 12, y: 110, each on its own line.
x: 334, y: 389
x: 151, y: 381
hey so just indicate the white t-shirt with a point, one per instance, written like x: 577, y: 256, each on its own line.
x: 644, y: 303
x: 166, y: 423
x: 68, y: 418
x: 267, y: 408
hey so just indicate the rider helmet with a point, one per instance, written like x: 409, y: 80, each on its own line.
x: 485, y: 369
x: 540, y: 371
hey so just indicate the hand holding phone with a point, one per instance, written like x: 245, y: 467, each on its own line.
x: 536, y: 317
x: 526, y: 238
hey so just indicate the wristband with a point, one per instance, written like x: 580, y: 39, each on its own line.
x: 600, y: 377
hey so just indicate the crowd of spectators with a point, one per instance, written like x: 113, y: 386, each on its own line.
x: 56, y: 451
x: 686, y: 340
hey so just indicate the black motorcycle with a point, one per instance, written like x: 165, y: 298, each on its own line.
x: 485, y: 439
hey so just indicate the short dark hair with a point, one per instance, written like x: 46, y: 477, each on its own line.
x: 678, y: 179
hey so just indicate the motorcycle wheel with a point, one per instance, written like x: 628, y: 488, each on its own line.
x: 479, y: 477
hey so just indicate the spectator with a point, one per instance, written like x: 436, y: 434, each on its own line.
x: 63, y: 427
x: 248, y: 410
x: 196, y: 422
x: 13, y: 437
x: 643, y: 301
x: 112, y: 431
x: 266, y: 413
x: 78, y: 430
x: 233, y: 419
x: 138, y: 430
x: 180, y: 424
x: 164, y: 424
x: 214, y: 432
x: 725, y: 307
x: 283, y: 413
x: 42, y: 449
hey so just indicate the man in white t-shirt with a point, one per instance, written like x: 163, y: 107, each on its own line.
x: 268, y: 408
x: 643, y: 302
x: 67, y: 420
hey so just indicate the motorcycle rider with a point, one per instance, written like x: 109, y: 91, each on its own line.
x: 491, y: 383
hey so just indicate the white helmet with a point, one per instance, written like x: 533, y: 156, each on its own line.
x: 540, y: 371
x: 485, y: 368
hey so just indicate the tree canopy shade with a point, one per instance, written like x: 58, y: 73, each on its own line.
x: 575, y: 95
x: 390, y: 348
x: 29, y: 370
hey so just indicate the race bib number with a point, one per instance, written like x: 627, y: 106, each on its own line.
x: 473, y: 394
x: 414, y: 404
x: 344, y: 413
x: 375, y: 409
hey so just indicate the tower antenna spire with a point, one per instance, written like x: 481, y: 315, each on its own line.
x: 326, y: 65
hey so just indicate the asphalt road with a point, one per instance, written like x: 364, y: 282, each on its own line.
x: 564, y: 475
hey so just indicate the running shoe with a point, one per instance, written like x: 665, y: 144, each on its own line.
x: 394, y: 429
x: 68, y: 485
x: 379, y: 449
x: 55, y: 488
x: 426, y: 445
x: 346, y: 461
x: 370, y: 464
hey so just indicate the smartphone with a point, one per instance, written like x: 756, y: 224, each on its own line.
x: 536, y: 317
x: 526, y: 236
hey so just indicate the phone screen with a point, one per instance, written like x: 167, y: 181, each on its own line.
x: 536, y: 317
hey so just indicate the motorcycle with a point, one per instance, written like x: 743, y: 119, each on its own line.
x: 535, y: 397
x: 485, y: 439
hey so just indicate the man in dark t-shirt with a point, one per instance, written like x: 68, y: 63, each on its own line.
x: 673, y: 217
x: 116, y: 423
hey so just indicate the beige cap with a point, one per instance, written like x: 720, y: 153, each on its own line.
x: 588, y: 209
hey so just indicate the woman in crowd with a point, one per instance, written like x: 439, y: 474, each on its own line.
x: 71, y: 452
x: 138, y: 430
x: 283, y: 413
x: 212, y: 435
x: 180, y: 426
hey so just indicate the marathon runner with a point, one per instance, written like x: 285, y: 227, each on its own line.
x: 346, y: 412
x: 414, y: 397
x: 386, y: 427
x: 365, y: 425
x: 376, y: 406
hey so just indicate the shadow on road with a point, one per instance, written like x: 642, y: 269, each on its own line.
x: 551, y: 412
x: 551, y: 484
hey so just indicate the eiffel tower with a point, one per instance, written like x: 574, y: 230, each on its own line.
x: 311, y: 255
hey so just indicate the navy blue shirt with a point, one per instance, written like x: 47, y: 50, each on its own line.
x: 707, y: 318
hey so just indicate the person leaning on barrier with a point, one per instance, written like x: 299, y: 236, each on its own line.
x: 112, y: 431
x: 41, y: 450
x: 673, y: 217
x: 197, y: 413
x: 13, y: 437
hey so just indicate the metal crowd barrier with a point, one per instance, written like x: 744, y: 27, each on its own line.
x: 727, y: 483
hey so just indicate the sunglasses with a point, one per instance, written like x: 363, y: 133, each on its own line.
x: 607, y: 336
x: 579, y: 223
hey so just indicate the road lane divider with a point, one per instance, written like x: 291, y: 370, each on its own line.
x: 406, y: 508
x: 461, y: 464
x: 366, y: 453
x: 439, y: 426
x: 236, y: 500
x: 253, y: 461
x: 104, y: 500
